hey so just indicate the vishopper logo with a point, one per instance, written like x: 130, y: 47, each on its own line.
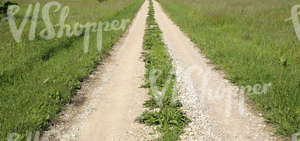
x: 294, y: 17
x: 295, y: 137
x: 157, y: 93
x: 220, y: 91
x: 205, y: 93
x: 49, y: 32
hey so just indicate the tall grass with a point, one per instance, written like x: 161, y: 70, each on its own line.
x: 39, y: 77
x: 251, y: 41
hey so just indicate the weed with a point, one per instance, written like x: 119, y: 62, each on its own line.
x: 167, y: 115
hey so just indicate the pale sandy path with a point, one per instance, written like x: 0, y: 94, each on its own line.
x: 121, y: 99
x: 216, y: 109
x: 111, y: 99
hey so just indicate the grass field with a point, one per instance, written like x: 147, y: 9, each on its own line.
x: 251, y: 41
x: 169, y: 118
x: 37, y: 78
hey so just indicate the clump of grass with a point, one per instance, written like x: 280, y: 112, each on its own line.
x: 253, y: 44
x: 37, y: 78
x: 167, y: 116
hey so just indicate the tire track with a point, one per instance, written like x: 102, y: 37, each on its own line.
x: 112, y: 98
x: 217, y: 110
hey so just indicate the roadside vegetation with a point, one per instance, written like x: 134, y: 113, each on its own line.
x: 163, y: 109
x: 37, y: 78
x: 253, y: 44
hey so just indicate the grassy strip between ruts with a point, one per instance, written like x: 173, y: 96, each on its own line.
x: 251, y: 41
x: 39, y: 77
x: 163, y: 108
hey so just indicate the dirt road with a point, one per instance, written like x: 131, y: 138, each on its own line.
x: 112, y: 98
x: 121, y: 99
x: 216, y: 109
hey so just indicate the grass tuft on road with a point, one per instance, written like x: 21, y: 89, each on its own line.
x: 251, y: 41
x: 167, y: 115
